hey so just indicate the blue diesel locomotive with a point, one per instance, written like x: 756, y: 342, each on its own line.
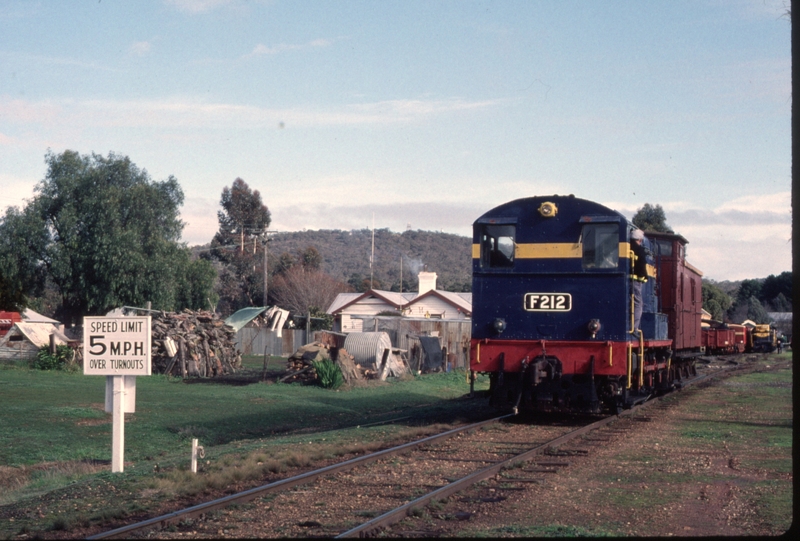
x: 553, y: 308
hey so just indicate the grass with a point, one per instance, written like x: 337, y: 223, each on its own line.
x: 756, y: 406
x: 55, y: 437
x: 170, y: 412
x: 748, y: 417
x: 775, y: 503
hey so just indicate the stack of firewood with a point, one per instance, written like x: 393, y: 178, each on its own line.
x: 300, y: 365
x: 193, y: 344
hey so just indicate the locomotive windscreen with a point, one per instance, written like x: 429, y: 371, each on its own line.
x: 600, y: 246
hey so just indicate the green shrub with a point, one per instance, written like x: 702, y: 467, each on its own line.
x: 329, y: 374
x: 45, y: 360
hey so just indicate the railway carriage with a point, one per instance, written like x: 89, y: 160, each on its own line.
x: 552, y: 319
x: 724, y: 339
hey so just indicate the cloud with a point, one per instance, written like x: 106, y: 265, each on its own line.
x: 180, y: 112
x: 261, y: 49
x: 16, y: 191
x: 139, y: 48
x: 746, y: 237
x: 199, y: 215
x: 197, y: 6
x: 448, y: 217
x: 31, y: 60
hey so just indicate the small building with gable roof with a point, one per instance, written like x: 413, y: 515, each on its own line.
x: 428, y: 302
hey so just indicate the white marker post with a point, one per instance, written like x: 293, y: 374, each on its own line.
x: 117, y: 347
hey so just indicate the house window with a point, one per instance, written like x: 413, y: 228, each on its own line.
x: 497, y: 246
x: 600, y: 246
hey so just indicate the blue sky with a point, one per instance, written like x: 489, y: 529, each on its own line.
x: 421, y: 114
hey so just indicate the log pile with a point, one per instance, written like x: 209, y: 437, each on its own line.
x: 300, y: 367
x: 194, y: 344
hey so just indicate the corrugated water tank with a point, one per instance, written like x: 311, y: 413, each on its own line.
x: 367, y: 347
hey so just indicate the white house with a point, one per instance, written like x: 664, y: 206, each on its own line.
x: 428, y: 302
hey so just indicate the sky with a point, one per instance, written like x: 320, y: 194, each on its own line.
x: 420, y: 114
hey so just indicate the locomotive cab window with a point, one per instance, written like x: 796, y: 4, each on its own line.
x: 600, y: 246
x: 497, y: 246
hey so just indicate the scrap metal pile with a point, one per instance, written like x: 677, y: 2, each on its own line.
x: 192, y: 344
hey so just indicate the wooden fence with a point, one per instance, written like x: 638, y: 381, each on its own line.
x: 404, y: 332
x: 258, y: 341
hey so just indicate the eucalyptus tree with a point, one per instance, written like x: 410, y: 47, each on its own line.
x: 239, y: 246
x: 21, y: 274
x: 651, y: 218
x: 106, y: 235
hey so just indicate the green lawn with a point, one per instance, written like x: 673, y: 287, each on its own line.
x: 58, y: 416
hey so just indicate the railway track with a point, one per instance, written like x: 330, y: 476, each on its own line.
x: 369, y: 494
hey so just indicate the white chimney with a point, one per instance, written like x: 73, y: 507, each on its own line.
x: 427, y: 281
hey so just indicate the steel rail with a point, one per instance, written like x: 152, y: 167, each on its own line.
x: 399, y: 513
x: 394, y: 515
x: 247, y: 495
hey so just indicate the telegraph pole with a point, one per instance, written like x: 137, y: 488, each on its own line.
x: 266, y: 270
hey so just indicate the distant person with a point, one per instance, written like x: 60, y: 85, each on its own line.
x: 638, y: 274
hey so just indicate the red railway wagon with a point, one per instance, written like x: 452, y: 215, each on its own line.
x: 680, y: 293
x: 7, y: 320
x: 721, y: 340
x: 741, y: 336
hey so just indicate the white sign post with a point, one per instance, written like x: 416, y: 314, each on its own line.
x: 119, y: 348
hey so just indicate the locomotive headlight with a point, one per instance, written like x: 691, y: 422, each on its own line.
x: 593, y: 327
x: 548, y: 209
x: 499, y: 325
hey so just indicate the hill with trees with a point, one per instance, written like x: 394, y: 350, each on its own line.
x: 345, y: 255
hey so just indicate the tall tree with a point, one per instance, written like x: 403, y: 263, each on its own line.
x: 747, y: 289
x: 715, y: 301
x: 756, y: 312
x: 21, y: 273
x: 239, y: 246
x: 105, y: 235
x: 651, y: 218
x: 777, y: 291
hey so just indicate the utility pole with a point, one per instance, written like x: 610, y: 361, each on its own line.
x: 372, y: 254
x: 266, y: 270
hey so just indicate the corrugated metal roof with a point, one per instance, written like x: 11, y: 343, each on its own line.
x: 30, y: 316
x: 342, y: 300
x: 461, y: 300
x: 780, y: 316
x: 242, y: 317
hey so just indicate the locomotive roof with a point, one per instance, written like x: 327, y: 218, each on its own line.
x: 575, y: 207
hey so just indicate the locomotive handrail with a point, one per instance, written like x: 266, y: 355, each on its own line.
x: 630, y: 365
x: 632, y: 314
x: 641, y: 358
